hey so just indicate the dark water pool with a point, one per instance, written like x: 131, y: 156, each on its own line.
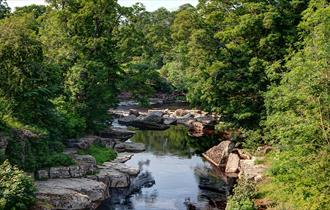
x: 177, y: 176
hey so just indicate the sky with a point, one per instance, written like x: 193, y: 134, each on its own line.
x: 151, y: 5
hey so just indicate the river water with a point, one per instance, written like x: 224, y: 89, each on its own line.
x: 180, y: 177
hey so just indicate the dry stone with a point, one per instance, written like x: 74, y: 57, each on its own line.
x: 75, y: 194
x: 218, y: 154
x: 59, y: 172
x: 130, y: 147
x: 232, y: 163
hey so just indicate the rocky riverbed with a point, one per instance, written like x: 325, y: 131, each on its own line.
x: 87, y: 185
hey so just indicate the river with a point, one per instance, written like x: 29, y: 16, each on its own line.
x: 182, y: 179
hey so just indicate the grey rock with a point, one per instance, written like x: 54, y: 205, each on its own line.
x: 43, y: 174
x: 75, y: 194
x: 113, y: 178
x: 59, y: 172
x: 127, y: 120
x: 218, y: 154
x: 132, y: 171
x: 123, y: 157
x: 250, y: 170
x: 154, y: 119
x: 170, y: 121
x: 120, y: 134
x: 130, y: 147
x: 158, y: 113
x: 77, y: 171
x: 82, y: 143
x: 232, y: 165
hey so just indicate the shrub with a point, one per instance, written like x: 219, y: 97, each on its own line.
x: 244, y: 192
x: 17, y: 191
x: 101, y: 153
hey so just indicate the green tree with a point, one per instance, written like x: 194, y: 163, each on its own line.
x: 26, y: 83
x: 79, y: 37
x: 4, y: 9
x: 237, y: 53
x: 298, y: 119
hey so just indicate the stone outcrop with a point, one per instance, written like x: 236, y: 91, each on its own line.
x: 151, y: 122
x: 113, y: 178
x: 130, y: 147
x: 119, y: 134
x: 131, y: 171
x: 75, y: 194
x: 232, y: 165
x: 123, y: 157
x: 86, y: 164
x: 251, y: 170
x: 218, y: 154
x: 82, y: 143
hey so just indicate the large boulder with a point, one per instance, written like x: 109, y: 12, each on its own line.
x: 75, y: 194
x: 250, y: 170
x: 82, y: 143
x: 130, y: 147
x: 158, y: 113
x: 59, y: 172
x: 87, y: 163
x: 132, y: 171
x: 127, y: 120
x: 119, y: 134
x: 170, y: 121
x: 232, y: 165
x: 218, y: 155
x: 122, y: 157
x: 113, y: 178
x: 153, y: 118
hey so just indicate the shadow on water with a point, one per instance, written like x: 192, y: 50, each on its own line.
x: 173, y: 175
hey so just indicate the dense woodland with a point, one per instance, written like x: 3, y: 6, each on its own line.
x: 262, y: 65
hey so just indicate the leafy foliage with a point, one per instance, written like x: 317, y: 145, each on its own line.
x: 100, y: 153
x: 244, y: 193
x: 17, y: 191
x: 298, y: 119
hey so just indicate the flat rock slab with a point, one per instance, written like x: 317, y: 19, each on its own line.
x: 123, y: 157
x: 232, y: 163
x: 218, y: 154
x: 130, y: 147
x: 250, y: 170
x: 121, y: 134
x: 132, y: 171
x: 113, y: 178
x: 71, y: 193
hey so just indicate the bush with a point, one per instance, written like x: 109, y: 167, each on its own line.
x: 244, y: 192
x: 17, y: 191
x: 101, y: 153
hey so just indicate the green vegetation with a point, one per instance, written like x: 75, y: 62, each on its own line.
x: 100, y: 153
x: 16, y: 188
x: 244, y: 193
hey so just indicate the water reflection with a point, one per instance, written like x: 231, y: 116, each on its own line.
x: 174, y: 141
x: 173, y: 175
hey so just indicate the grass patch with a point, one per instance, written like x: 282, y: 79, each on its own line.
x: 100, y: 153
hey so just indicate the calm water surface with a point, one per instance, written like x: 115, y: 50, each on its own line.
x: 174, y: 175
